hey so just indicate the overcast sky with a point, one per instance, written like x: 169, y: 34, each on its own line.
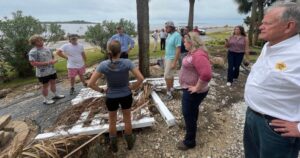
x: 206, y: 11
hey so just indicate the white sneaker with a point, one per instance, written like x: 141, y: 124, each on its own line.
x: 48, y: 101
x: 228, y: 84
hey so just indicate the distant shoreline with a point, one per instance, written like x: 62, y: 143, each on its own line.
x: 68, y: 22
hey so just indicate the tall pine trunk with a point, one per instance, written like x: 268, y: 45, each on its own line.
x: 191, y: 14
x: 143, y: 35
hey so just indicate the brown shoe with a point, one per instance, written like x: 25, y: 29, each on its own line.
x: 113, y: 144
x: 130, y: 139
x: 181, y: 146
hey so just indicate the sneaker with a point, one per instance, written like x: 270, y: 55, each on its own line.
x: 48, y: 102
x: 181, y: 146
x: 168, y: 97
x: 72, y: 91
x: 114, y: 144
x: 130, y: 139
x: 58, y: 96
x: 228, y: 84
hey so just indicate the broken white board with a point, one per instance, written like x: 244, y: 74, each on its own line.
x: 144, y: 122
x: 86, y: 93
x: 164, y: 111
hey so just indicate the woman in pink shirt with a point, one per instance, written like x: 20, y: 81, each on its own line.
x: 237, y: 46
x: 195, y: 73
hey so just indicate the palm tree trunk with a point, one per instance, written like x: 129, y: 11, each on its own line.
x: 260, y: 15
x: 143, y: 35
x: 253, y: 22
x: 191, y: 14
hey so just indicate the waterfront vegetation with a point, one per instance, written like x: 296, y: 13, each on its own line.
x: 215, y: 46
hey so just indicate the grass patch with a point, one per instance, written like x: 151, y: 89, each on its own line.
x: 157, y: 54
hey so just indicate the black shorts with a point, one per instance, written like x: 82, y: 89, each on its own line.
x: 112, y: 104
x: 46, y: 79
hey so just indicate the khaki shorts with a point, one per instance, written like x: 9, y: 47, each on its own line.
x: 169, y: 72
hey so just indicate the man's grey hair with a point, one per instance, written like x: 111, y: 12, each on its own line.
x: 291, y: 11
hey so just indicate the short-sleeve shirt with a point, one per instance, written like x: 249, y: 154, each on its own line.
x: 117, y: 75
x: 74, y: 54
x: 42, y: 55
x: 237, y: 45
x: 173, y: 41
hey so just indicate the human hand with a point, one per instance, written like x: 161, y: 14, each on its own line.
x: 173, y: 65
x: 192, y: 89
x: 53, y: 61
x: 287, y: 128
x: 246, y: 62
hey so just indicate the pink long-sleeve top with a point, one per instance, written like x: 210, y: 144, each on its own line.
x: 195, y: 67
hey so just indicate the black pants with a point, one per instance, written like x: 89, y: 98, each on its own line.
x: 190, y: 109
x: 234, y: 63
x: 162, y: 43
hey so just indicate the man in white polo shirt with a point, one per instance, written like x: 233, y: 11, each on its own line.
x: 272, y: 91
x: 74, y: 53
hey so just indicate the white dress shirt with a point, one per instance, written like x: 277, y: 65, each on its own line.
x: 273, y: 85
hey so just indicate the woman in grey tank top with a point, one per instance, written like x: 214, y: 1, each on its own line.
x: 118, y: 92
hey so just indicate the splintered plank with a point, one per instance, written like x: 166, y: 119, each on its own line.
x: 80, y: 121
x: 144, y: 122
x: 164, y: 111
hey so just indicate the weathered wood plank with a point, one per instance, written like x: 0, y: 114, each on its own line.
x: 164, y: 111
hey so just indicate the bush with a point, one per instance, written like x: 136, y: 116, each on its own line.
x: 14, y: 44
x: 100, y: 33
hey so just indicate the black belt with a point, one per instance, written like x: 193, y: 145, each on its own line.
x: 267, y: 117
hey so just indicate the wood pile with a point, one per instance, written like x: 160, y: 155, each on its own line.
x: 13, y: 136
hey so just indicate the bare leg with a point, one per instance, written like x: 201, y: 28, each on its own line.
x: 169, y: 83
x: 72, y: 81
x: 112, y: 123
x: 45, y: 89
x: 82, y: 79
x: 53, y: 86
x: 127, y: 121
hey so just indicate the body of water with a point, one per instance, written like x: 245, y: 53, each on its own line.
x: 80, y: 29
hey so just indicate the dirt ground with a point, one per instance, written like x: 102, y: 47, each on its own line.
x: 219, y: 133
x: 220, y: 126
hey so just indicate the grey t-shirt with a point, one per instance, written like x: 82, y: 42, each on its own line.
x: 42, y: 55
x: 117, y: 75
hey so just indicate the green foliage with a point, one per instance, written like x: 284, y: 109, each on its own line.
x: 14, y: 41
x: 101, y: 32
x: 14, y: 44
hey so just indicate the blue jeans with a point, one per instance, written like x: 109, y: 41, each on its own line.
x: 190, y: 110
x: 234, y: 63
x: 261, y: 141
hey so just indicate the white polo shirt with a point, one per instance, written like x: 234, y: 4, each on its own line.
x: 273, y: 85
x: 74, y: 54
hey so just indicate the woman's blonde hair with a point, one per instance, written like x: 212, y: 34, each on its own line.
x: 196, y: 41
x: 33, y: 39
